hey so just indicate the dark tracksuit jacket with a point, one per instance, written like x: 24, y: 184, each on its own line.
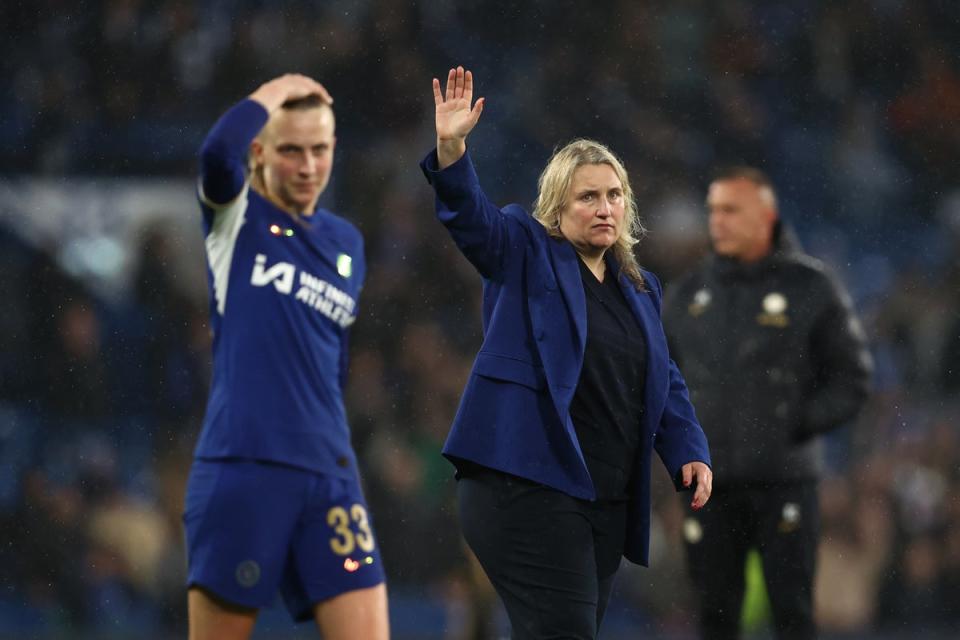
x: 773, y: 355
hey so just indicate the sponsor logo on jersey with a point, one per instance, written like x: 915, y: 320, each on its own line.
x: 280, y: 274
x: 325, y: 298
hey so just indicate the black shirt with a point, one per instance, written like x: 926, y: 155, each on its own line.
x: 608, y: 403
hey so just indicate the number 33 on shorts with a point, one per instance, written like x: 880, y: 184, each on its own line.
x: 351, y: 530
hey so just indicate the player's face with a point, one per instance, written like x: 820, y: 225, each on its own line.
x: 295, y: 151
x: 741, y: 219
x: 592, y: 219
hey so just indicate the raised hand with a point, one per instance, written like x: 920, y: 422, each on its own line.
x: 290, y: 86
x: 455, y: 117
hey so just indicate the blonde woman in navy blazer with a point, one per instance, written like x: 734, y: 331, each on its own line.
x: 529, y: 506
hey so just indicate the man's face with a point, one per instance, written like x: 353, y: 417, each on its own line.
x: 741, y: 218
x: 592, y: 219
x: 295, y: 151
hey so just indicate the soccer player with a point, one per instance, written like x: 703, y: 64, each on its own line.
x: 274, y: 500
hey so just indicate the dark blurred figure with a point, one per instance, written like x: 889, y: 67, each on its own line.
x: 66, y: 373
x: 75, y: 381
x: 857, y: 531
x: 176, y: 345
x: 774, y: 357
x: 49, y: 572
x: 912, y: 596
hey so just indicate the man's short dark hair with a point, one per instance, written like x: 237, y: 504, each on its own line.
x: 734, y: 172
x: 745, y: 172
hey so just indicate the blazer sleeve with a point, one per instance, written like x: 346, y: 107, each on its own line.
x: 478, y: 227
x: 679, y: 438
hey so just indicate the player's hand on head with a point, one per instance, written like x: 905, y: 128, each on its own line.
x: 273, y: 93
x: 456, y: 114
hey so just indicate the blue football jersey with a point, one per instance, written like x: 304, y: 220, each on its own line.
x: 283, y: 294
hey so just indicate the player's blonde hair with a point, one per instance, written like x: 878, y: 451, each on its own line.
x: 554, y: 192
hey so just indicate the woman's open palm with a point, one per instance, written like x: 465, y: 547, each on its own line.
x: 455, y: 116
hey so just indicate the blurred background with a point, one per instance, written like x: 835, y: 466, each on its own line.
x: 852, y: 107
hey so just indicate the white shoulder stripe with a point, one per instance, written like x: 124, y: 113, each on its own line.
x: 227, y: 221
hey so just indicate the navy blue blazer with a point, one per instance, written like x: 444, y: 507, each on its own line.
x: 514, y: 414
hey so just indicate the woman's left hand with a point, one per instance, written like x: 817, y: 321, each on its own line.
x: 701, y: 476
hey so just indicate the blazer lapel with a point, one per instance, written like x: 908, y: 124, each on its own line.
x: 649, y: 321
x: 568, y: 274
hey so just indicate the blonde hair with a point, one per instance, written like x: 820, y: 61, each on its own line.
x: 554, y: 189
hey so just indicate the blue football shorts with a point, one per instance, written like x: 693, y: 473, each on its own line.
x: 255, y: 528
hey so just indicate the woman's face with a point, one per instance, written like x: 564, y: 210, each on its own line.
x: 592, y: 219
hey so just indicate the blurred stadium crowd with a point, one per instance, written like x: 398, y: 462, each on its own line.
x: 853, y: 108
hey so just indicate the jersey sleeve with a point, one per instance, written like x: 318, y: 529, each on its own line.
x: 223, y: 155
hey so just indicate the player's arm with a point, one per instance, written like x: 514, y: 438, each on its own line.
x: 223, y: 155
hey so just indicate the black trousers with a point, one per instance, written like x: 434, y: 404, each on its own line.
x: 550, y: 557
x: 782, y: 522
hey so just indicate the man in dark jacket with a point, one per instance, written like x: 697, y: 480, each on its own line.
x: 773, y: 356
